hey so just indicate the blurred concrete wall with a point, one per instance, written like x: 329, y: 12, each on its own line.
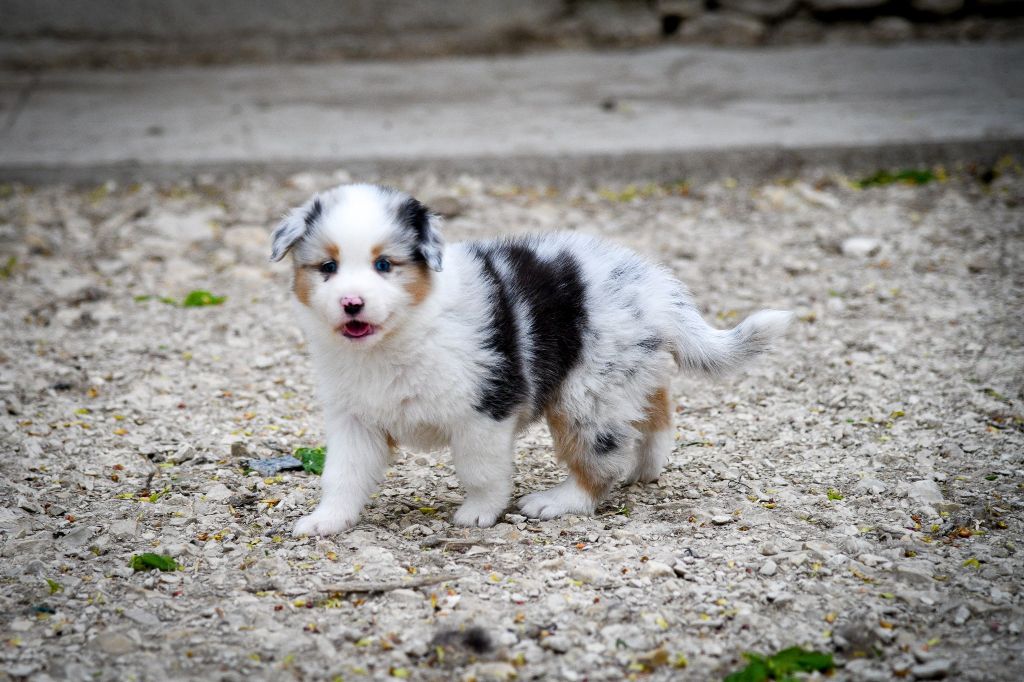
x: 128, y: 33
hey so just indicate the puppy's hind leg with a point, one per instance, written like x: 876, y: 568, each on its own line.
x: 596, y: 461
x: 657, y: 436
x: 483, y: 462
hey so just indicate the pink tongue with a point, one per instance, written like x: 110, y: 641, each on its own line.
x: 357, y: 329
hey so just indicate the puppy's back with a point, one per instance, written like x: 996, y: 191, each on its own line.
x: 572, y: 305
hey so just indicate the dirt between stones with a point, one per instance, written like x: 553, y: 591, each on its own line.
x: 858, y: 492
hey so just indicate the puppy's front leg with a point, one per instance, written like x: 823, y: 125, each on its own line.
x: 483, y: 462
x: 356, y: 460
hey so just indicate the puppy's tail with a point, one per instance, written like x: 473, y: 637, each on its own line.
x: 700, y: 348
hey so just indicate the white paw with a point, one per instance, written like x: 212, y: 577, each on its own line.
x: 648, y: 471
x: 564, y: 498
x: 323, y: 522
x: 479, y: 513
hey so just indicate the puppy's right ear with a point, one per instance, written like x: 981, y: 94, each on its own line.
x: 296, y: 225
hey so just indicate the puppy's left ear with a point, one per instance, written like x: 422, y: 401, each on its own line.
x: 296, y: 225
x: 427, y: 225
x: 431, y: 243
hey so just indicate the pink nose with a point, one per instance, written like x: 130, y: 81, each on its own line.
x: 351, y: 304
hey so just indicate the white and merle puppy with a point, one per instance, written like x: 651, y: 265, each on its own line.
x: 464, y: 345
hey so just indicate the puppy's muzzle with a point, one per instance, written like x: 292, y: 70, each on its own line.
x: 352, y: 305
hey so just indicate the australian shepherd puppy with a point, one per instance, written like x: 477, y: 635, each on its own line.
x: 426, y: 345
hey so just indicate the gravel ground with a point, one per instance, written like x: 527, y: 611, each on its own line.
x: 857, y: 492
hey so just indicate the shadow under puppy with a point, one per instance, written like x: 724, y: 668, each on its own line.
x: 464, y: 345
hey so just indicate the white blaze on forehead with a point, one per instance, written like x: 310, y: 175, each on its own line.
x: 358, y: 218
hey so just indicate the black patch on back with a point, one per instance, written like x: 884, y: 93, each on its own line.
x: 504, y: 387
x: 314, y: 213
x: 554, y: 293
x: 605, y: 442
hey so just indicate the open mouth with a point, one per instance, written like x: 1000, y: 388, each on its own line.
x: 356, y: 329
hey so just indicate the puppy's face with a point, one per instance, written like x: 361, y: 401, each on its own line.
x: 362, y: 258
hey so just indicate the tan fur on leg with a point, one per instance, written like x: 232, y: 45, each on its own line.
x: 656, y: 438
x: 571, y: 451
x: 657, y: 413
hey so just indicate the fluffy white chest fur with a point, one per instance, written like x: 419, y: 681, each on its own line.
x: 416, y: 343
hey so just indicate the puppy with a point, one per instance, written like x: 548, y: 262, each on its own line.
x: 464, y: 345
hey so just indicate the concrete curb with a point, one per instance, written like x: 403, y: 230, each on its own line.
x: 662, y: 114
x: 751, y: 163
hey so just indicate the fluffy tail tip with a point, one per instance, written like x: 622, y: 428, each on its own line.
x: 768, y: 325
x: 717, y: 352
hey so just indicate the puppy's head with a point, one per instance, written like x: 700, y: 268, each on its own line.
x: 363, y: 256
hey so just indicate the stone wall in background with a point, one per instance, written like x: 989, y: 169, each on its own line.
x: 126, y: 33
x: 758, y: 22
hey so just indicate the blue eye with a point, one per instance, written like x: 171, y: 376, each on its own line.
x: 382, y: 264
x: 329, y: 268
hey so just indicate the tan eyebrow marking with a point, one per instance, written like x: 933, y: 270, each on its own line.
x: 379, y: 250
x: 333, y: 254
x: 302, y: 283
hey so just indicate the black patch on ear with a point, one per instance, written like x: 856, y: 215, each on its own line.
x: 415, y: 215
x: 504, y: 387
x: 294, y: 228
x: 313, y: 214
x: 555, y: 294
x: 418, y: 219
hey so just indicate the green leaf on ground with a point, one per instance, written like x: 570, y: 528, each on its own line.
x: 834, y: 494
x: 907, y: 176
x: 154, y: 496
x: 149, y: 297
x: 98, y: 193
x: 200, y: 298
x: 782, y: 666
x: 756, y: 670
x: 55, y: 586
x: 144, y: 562
x: 312, y: 459
x: 7, y: 269
x: 993, y: 393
